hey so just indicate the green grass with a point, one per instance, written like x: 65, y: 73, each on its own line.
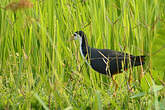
x: 41, y: 69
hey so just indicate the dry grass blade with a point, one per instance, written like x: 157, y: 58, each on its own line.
x: 22, y: 4
x: 163, y: 47
x: 103, y: 55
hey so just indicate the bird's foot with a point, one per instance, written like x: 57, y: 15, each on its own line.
x: 130, y: 89
x: 114, y: 94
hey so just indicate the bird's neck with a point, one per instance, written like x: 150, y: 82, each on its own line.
x: 84, y: 49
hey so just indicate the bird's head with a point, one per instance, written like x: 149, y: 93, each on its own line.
x: 78, y: 35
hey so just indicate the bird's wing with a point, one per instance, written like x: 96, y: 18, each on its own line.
x: 111, y: 53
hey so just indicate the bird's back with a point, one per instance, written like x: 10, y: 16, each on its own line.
x: 108, y: 61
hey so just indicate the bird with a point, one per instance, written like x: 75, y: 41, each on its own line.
x: 106, y: 61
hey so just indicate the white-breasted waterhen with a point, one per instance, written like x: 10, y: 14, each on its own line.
x: 106, y: 61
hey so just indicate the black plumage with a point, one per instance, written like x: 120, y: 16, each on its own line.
x: 106, y: 61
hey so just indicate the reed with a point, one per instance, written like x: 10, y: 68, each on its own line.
x: 41, y: 69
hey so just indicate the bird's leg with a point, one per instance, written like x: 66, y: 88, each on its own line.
x: 141, y: 73
x: 130, y: 77
x: 116, y: 85
x: 129, y: 88
x: 129, y: 81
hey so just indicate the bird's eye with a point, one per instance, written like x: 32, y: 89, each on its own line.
x: 75, y: 34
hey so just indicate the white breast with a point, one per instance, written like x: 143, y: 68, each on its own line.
x: 81, y: 49
x: 82, y: 52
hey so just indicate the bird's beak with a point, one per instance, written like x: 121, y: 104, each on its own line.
x: 72, y: 38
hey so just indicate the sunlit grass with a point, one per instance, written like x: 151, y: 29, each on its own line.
x: 41, y: 69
